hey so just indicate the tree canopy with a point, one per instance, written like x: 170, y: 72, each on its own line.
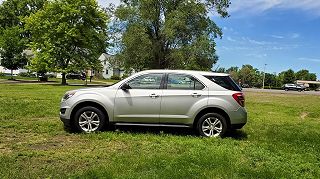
x: 167, y: 33
x: 68, y: 35
x: 13, y: 36
x: 11, y: 49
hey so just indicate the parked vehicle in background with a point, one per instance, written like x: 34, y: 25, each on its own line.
x: 318, y: 89
x: 294, y: 87
x: 210, y: 103
x: 245, y: 86
x: 77, y: 76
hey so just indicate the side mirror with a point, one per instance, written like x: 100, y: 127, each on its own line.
x: 125, y: 87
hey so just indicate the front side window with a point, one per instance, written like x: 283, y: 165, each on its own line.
x: 183, y: 82
x: 147, y: 81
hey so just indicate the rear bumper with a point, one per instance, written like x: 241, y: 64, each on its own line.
x: 238, y: 118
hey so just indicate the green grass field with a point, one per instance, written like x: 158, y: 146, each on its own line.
x: 281, y: 140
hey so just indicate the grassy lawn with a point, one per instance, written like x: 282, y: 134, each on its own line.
x: 281, y: 140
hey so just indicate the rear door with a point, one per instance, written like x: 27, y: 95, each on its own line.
x: 181, y: 92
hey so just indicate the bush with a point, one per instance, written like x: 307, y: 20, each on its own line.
x: 27, y: 74
x: 2, y: 74
x: 115, y: 77
x: 50, y: 75
x: 23, y: 74
x: 124, y: 76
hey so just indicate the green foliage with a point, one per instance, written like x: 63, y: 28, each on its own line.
x: 124, y: 76
x: 2, y: 74
x: 289, y: 76
x: 23, y: 74
x: 12, y: 12
x: 234, y: 73
x: 68, y: 32
x: 254, y: 78
x: 115, y: 77
x: 167, y: 34
x: 13, y: 36
x: 11, y: 48
x: 270, y: 80
x: 306, y: 75
x: 220, y: 70
x: 251, y: 76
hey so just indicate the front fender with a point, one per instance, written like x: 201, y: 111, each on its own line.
x: 97, y: 98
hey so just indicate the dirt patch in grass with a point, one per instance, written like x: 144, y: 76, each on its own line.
x: 303, y: 115
x: 4, y: 150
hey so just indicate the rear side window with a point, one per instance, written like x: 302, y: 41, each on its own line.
x: 225, y: 82
x: 183, y: 82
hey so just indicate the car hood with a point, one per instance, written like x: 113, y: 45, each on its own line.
x: 97, y: 89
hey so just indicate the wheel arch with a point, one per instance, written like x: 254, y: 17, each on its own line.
x: 89, y: 103
x: 212, y: 110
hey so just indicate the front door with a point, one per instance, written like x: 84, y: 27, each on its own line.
x: 141, y: 103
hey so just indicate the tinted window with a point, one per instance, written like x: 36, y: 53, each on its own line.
x: 148, y: 81
x: 225, y: 82
x: 183, y: 82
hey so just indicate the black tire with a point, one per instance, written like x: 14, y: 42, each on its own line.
x: 90, y: 110
x: 212, y: 116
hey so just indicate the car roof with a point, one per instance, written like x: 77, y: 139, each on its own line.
x: 204, y: 73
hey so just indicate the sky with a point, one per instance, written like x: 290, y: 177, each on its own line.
x: 282, y: 34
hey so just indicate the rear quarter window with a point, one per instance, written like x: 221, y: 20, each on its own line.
x: 225, y: 82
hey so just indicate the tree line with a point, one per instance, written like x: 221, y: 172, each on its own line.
x: 69, y: 35
x: 249, y: 76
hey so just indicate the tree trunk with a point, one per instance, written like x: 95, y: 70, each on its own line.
x: 11, y: 74
x: 63, y: 81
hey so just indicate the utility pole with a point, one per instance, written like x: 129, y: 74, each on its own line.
x: 264, y: 75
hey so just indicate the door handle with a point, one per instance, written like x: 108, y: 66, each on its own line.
x: 195, y: 95
x: 154, y: 95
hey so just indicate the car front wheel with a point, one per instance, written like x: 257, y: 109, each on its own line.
x: 212, y: 125
x: 89, y: 119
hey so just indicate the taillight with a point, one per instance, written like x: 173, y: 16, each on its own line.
x: 239, y: 97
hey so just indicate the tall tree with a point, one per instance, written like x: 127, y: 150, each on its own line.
x: 305, y: 75
x: 289, y: 76
x: 234, y: 73
x: 167, y: 33
x: 68, y: 32
x: 11, y: 49
x: 12, y: 12
x: 251, y: 76
x: 13, y: 36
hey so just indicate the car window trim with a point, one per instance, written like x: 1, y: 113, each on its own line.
x: 167, y: 76
x: 161, y: 83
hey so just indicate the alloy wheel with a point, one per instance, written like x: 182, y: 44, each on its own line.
x: 212, y: 127
x: 89, y: 121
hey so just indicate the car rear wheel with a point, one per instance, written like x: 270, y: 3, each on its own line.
x: 212, y: 125
x: 89, y: 119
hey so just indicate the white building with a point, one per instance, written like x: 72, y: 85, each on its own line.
x: 109, y: 70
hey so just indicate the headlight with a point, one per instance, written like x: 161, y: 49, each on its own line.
x: 68, y: 95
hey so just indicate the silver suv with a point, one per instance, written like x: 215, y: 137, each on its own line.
x: 211, y: 103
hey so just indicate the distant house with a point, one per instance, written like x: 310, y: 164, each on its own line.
x: 108, y: 69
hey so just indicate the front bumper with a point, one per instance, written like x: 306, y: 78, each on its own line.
x: 65, y: 112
